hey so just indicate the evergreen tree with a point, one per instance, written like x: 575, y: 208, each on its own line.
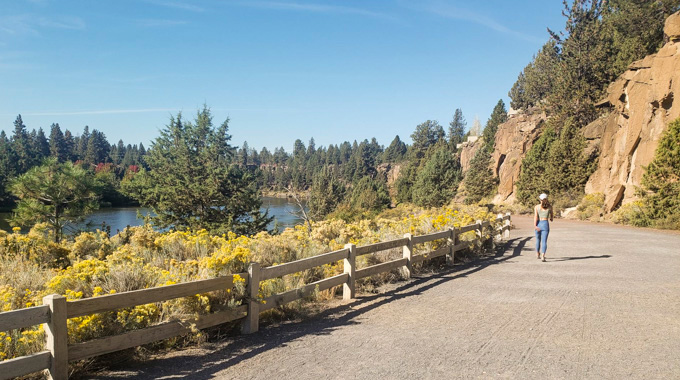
x: 97, y: 148
x: 243, y: 154
x: 58, y: 148
x: 437, y: 182
x: 568, y: 168
x: 69, y: 144
x: 660, y: 190
x: 498, y: 116
x: 40, y: 146
x: 457, y: 129
x: 369, y: 195
x: 326, y: 194
x: 426, y: 135
x: 56, y: 193
x: 531, y: 181
x: 479, y: 180
x: 81, y: 145
x: 395, y: 152
x: 535, y: 82
x: 193, y: 182
x: 21, y: 146
x: 7, y: 165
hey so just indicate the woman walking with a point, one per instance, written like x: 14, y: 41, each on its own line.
x: 542, y: 212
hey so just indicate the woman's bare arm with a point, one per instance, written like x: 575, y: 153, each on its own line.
x: 536, y: 217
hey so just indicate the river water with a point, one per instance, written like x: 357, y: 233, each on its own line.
x: 121, y: 217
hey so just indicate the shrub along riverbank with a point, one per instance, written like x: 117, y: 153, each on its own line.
x: 94, y: 264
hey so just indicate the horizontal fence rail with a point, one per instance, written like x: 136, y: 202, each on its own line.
x: 31, y: 316
x: 304, y: 264
x: 377, y: 247
x: 56, y: 310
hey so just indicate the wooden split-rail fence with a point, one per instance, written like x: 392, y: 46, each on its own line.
x: 56, y: 310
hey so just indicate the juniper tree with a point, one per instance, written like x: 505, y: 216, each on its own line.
x: 193, y: 182
x: 660, y: 190
x: 438, y: 180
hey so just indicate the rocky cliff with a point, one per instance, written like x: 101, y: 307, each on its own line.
x: 642, y: 103
x: 468, y: 149
x: 513, y: 139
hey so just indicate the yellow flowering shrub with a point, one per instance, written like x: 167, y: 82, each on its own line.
x: 91, y: 245
x: 140, y: 257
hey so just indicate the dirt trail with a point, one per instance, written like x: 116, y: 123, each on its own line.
x: 606, y: 305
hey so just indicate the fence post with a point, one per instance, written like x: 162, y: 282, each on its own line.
x: 57, y: 337
x: 252, y: 322
x: 478, y: 232
x: 349, y: 264
x: 499, y: 232
x: 506, y: 226
x: 408, y: 252
x: 451, y: 241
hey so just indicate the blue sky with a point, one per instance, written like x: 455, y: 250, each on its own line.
x: 280, y: 70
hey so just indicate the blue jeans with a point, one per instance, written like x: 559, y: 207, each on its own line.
x: 542, y: 236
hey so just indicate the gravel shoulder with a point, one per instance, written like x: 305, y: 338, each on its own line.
x: 605, y: 305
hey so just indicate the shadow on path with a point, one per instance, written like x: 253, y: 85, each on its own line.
x: 243, y: 347
x: 578, y: 258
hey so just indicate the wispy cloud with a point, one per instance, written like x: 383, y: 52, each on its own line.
x: 451, y: 12
x: 99, y: 112
x: 31, y: 24
x: 153, y: 23
x: 177, y: 5
x: 312, y: 7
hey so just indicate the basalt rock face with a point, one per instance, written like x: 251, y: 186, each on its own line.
x: 514, y: 138
x: 642, y: 101
x: 468, y: 150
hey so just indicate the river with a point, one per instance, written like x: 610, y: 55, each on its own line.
x: 120, y: 217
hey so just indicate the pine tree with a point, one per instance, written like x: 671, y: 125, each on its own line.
x: 531, y: 181
x: 58, y: 148
x: 193, y: 182
x: 97, y: 148
x: 396, y: 152
x: 426, y: 135
x: 81, y: 146
x: 55, y: 193
x: 40, y: 146
x: 326, y: 194
x: 457, y: 129
x: 21, y: 146
x: 498, y: 116
x: 567, y: 168
x: 660, y: 190
x: 479, y: 180
x: 69, y: 144
x: 437, y: 182
x: 369, y: 195
x: 7, y: 165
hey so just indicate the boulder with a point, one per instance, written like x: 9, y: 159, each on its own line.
x: 672, y: 27
x: 569, y: 213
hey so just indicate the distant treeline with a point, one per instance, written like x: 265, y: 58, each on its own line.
x: 110, y: 163
x: 352, y: 178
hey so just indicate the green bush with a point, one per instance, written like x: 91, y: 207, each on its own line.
x: 660, y: 190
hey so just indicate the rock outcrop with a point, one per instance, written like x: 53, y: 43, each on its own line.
x: 468, y: 149
x: 642, y: 103
x: 514, y: 138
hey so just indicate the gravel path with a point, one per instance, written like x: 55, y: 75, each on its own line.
x: 605, y: 305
